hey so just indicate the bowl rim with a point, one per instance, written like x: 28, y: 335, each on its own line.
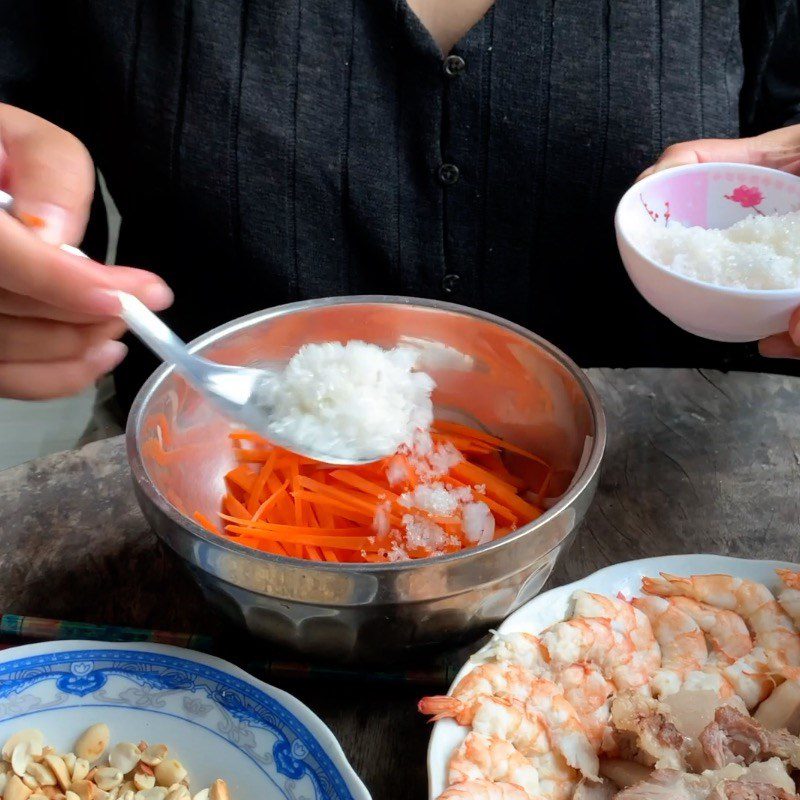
x: 707, y: 166
x: 143, y: 481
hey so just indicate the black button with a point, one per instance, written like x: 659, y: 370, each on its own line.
x: 454, y: 65
x: 448, y: 174
x: 450, y: 282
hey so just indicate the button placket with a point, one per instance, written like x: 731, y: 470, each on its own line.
x: 448, y: 174
x: 454, y: 65
x: 450, y: 282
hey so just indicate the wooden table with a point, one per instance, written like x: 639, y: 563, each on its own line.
x: 696, y: 462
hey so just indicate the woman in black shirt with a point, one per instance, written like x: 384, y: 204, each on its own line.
x: 262, y: 151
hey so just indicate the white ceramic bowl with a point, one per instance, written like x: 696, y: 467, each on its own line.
x: 706, y: 195
x: 218, y: 720
x: 553, y: 606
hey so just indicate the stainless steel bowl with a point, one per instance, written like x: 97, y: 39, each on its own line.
x: 489, y: 372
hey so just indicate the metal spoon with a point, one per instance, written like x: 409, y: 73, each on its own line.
x: 241, y: 393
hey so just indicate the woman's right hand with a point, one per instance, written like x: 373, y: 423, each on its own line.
x: 58, y: 323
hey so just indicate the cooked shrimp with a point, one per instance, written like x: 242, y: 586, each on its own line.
x: 486, y: 679
x: 624, y: 619
x: 596, y: 641
x: 588, y: 692
x: 485, y: 758
x: 683, y: 645
x: 566, y: 728
x: 772, y: 628
x: 708, y: 679
x: 557, y: 781
x: 523, y: 649
x: 789, y: 598
x: 752, y: 676
x: 485, y: 790
x: 506, y: 718
x: 584, y: 685
x: 726, y: 631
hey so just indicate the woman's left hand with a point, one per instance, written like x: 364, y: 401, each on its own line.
x: 779, y: 149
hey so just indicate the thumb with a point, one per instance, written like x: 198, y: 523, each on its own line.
x: 48, y: 172
x: 778, y: 149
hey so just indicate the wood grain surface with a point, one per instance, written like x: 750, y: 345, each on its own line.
x: 696, y: 462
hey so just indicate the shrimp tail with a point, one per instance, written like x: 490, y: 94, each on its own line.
x: 442, y: 706
x: 789, y: 577
x: 665, y: 586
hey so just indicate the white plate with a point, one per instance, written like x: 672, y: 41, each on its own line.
x: 219, y: 721
x: 553, y: 606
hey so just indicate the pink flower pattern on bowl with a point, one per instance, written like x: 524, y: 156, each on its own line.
x: 747, y: 197
x: 718, y: 199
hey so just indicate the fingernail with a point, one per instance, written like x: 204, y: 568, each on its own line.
x: 157, y: 296
x: 102, y: 302
x: 106, y: 356
x: 48, y: 221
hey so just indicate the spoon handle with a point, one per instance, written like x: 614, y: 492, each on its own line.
x: 152, y: 331
x: 147, y: 326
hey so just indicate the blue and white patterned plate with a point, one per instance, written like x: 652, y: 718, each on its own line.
x: 219, y: 721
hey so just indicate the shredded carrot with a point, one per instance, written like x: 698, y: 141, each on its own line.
x: 234, y: 507
x: 364, y: 485
x: 30, y: 220
x: 206, y: 522
x: 270, y: 501
x: 303, y: 536
x: 248, y: 436
x: 289, y: 505
x: 254, y: 500
x: 454, y: 427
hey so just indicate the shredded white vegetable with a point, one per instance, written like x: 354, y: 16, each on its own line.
x: 351, y: 400
x: 759, y: 252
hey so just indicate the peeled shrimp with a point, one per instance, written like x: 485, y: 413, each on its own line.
x: 486, y: 679
x: 485, y: 790
x: 584, y: 685
x: 541, y: 697
x: 772, y: 628
x: 726, y: 631
x: 589, y: 693
x: 683, y: 645
x: 596, y: 641
x: 484, y: 758
x: 709, y: 679
x: 566, y: 728
x: 789, y: 598
x: 507, y: 718
x: 624, y: 619
x: 684, y: 666
x: 752, y: 676
x: 523, y: 649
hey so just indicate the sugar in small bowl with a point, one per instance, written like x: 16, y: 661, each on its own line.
x: 715, y: 247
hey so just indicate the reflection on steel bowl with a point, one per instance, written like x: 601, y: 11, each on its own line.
x: 489, y: 374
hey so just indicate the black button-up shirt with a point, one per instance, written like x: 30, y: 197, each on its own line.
x: 262, y: 151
